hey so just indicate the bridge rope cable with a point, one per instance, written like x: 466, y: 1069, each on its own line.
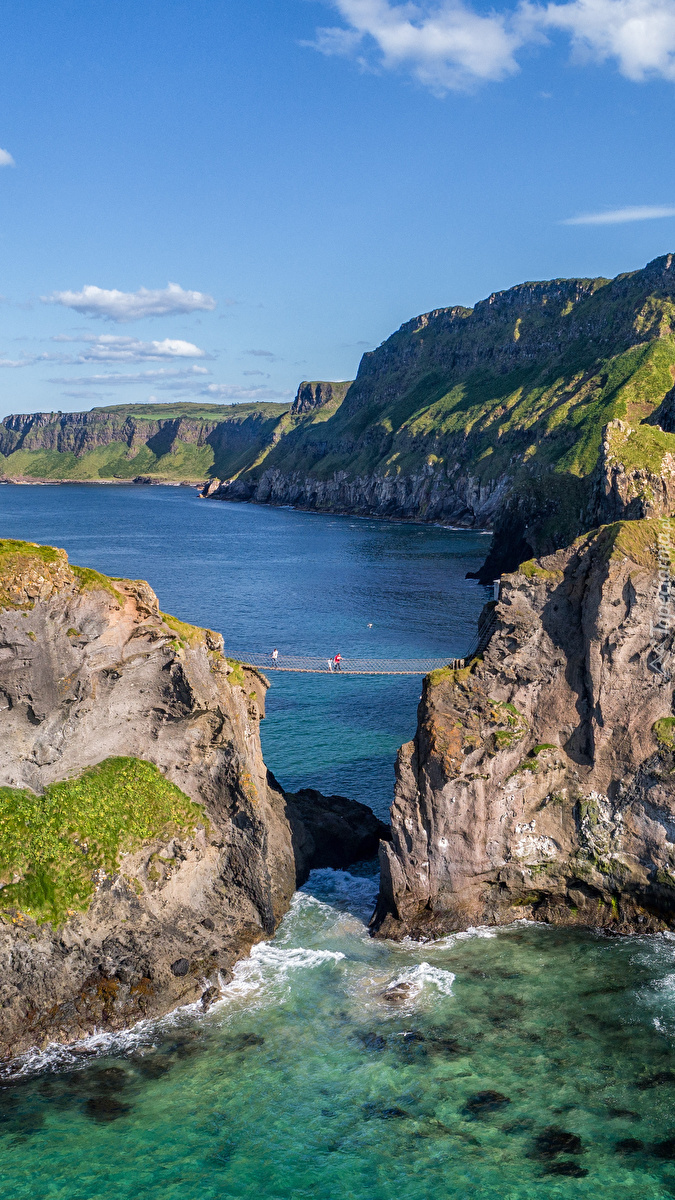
x: 315, y: 665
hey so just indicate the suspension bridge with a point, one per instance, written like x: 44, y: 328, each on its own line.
x: 315, y: 665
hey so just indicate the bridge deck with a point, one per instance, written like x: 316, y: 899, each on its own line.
x: 307, y: 664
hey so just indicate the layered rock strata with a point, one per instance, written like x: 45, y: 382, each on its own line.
x: 541, y: 780
x: 94, y: 678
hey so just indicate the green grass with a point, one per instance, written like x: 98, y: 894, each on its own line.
x: 16, y: 558
x: 186, y: 635
x: 55, y: 842
x: 664, y: 732
x: 89, y: 580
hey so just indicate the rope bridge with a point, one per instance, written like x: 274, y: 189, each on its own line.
x: 307, y: 664
x: 348, y: 666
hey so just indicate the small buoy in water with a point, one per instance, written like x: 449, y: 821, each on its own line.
x: 371, y: 625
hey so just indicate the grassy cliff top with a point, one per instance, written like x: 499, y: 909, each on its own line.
x: 637, y: 541
x: 56, y: 847
x: 194, y: 410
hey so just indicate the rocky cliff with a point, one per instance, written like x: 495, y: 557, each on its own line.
x: 143, y: 845
x: 541, y: 781
x: 184, y: 442
x: 494, y: 416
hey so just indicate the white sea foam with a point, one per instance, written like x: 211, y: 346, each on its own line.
x: 57, y: 1057
x: 415, y: 979
x: 267, y: 968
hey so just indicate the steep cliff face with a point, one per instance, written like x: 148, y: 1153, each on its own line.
x: 541, y: 781
x: 184, y: 442
x: 495, y: 416
x: 143, y: 845
x: 311, y: 396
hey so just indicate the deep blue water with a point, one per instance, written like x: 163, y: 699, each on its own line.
x: 524, y: 1063
x: 304, y: 582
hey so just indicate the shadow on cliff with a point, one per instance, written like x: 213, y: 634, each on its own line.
x: 569, y: 617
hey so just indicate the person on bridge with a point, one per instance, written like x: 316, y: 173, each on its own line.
x: 336, y: 662
x: 275, y: 655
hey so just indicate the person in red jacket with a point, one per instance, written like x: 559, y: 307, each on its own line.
x: 336, y: 662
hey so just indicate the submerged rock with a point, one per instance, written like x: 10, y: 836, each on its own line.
x: 485, y: 1102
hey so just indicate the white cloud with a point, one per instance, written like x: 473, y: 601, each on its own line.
x: 110, y: 348
x: 164, y: 376
x: 638, y: 34
x: 445, y: 44
x: 132, y: 306
x: 617, y: 216
x: 6, y: 159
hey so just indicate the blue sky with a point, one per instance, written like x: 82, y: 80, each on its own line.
x: 307, y: 175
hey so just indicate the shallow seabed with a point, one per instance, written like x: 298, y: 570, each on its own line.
x: 519, y: 1063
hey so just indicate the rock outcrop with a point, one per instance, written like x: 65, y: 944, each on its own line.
x: 317, y: 394
x: 143, y: 845
x: 331, y: 831
x: 541, y: 781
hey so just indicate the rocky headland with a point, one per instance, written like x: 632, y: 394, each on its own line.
x: 144, y: 846
x: 544, y: 411
x: 541, y: 780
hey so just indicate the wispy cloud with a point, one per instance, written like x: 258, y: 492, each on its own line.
x: 448, y: 45
x: 230, y: 392
x: 119, y: 306
x: 618, y: 216
x: 6, y: 159
x: 111, y: 348
x: 164, y: 376
x: 29, y: 360
x: 262, y: 354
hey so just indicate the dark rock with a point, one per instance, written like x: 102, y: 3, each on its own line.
x: 397, y: 993
x: 242, y: 1041
x: 567, y: 1168
x: 482, y: 1103
x: 209, y: 997
x: 181, y: 966
x: 658, y: 1080
x: 554, y: 1141
x: 106, y: 1108
x: 665, y: 1149
x: 372, y: 1041
x: 384, y: 1112
x: 331, y: 831
x: 629, y: 1146
x: 153, y: 1066
x: 208, y: 924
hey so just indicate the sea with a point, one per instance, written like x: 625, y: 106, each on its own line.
x: 519, y: 1063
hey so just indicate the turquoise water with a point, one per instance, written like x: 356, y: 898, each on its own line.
x: 512, y: 1064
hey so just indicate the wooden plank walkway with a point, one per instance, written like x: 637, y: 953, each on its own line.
x: 307, y: 664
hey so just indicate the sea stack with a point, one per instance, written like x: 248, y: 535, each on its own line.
x: 541, y: 781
